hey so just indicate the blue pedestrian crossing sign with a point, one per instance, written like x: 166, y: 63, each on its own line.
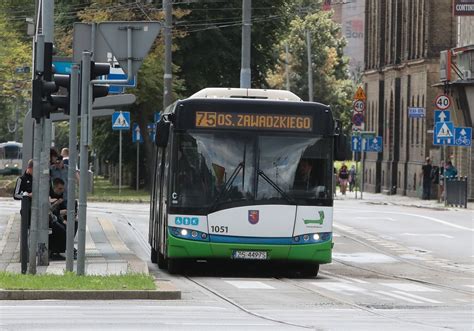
x: 443, y: 133
x: 462, y: 137
x: 442, y: 116
x: 121, y: 120
x: 374, y: 144
x: 356, y: 143
x: 136, y: 134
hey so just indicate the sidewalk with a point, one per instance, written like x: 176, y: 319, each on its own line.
x: 398, y: 200
x: 106, y: 253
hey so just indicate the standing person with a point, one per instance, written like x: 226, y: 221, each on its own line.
x: 352, y: 178
x: 427, y: 175
x: 343, y: 178
x: 24, y: 184
x: 450, y: 170
x: 65, y: 155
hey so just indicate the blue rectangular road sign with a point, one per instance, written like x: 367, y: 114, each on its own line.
x: 121, y: 120
x: 151, y: 131
x: 356, y: 142
x: 442, y: 116
x: 463, y: 137
x: 374, y: 144
x: 416, y: 112
x: 136, y: 134
x: 157, y: 116
x: 443, y: 133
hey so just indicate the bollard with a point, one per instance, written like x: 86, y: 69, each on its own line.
x: 456, y: 191
x: 25, y: 224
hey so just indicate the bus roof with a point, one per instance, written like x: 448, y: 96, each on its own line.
x: 11, y: 143
x: 245, y: 93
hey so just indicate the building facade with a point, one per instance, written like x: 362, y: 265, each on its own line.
x: 403, y: 41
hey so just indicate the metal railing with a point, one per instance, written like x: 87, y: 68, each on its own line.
x: 456, y: 191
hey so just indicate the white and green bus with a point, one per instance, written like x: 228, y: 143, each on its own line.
x: 243, y: 174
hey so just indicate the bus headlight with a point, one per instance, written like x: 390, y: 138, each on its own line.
x: 7, y: 165
x: 316, y: 236
x: 184, y: 232
x: 312, y: 238
x: 16, y: 165
x: 188, y: 234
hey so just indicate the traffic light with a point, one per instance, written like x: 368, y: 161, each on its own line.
x: 99, y: 69
x: 61, y: 101
x: 42, y: 105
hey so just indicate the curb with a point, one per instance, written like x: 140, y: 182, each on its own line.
x: 166, y: 292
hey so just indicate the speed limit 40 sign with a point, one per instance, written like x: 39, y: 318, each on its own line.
x: 443, y: 102
x: 359, y: 106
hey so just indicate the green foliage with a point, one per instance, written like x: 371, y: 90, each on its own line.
x: 330, y: 77
x: 15, y: 52
x: 70, y: 281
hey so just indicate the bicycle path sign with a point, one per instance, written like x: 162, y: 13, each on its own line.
x: 462, y: 137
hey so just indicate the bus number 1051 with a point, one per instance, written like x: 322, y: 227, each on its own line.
x: 219, y: 229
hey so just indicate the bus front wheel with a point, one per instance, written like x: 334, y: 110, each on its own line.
x: 309, y: 270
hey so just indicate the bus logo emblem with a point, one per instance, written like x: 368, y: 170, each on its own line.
x: 253, y: 216
x: 316, y: 221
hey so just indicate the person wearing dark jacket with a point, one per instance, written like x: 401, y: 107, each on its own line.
x: 24, y: 183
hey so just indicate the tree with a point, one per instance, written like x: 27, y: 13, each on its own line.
x: 331, y: 82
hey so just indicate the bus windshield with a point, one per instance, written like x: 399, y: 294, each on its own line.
x: 222, y: 170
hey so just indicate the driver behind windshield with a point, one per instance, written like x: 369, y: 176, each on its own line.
x: 304, y: 177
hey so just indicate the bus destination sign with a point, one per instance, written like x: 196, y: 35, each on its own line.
x: 221, y: 120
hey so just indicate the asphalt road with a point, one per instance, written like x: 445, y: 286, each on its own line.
x: 394, y: 268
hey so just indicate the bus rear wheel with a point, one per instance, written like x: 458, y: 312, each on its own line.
x: 174, y: 266
x: 309, y: 270
x: 162, y: 261
x: 153, y: 255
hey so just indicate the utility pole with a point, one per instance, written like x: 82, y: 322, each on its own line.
x: 168, y: 75
x: 245, y: 74
x: 287, y: 70
x: 310, y: 66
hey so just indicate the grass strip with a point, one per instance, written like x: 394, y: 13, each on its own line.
x: 104, y: 191
x: 70, y: 281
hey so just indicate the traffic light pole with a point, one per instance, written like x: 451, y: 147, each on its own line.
x: 84, y: 160
x: 71, y: 188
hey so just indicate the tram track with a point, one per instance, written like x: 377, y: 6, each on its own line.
x: 395, y: 276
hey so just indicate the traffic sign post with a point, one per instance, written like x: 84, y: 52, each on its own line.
x: 356, y: 143
x: 463, y: 137
x: 137, y: 138
x: 443, y: 102
x: 120, y: 122
x: 359, y: 106
x: 374, y: 145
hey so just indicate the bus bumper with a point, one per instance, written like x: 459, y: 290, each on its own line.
x: 182, y: 248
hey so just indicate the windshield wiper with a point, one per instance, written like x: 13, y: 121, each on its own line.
x: 227, y: 186
x: 275, y: 186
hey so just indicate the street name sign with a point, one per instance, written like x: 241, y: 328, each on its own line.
x: 121, y: 120
x: 416, y: 112
x: 443, y: 133
x: 442, y: 116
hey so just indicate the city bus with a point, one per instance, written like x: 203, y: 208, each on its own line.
x: 10, y: 158
x: 243, y: 174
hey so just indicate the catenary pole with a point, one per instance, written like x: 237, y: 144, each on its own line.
x: 168, y: 74
x: 84, y: 160
x: 47, y: 26
x: 310, y: 66
x: 287, y: 69
x: 71, y: 175
x: 138, y: 162
x: 120, y: 162
x: 245, y: 74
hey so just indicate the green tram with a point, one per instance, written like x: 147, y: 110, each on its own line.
x: 244, y: 174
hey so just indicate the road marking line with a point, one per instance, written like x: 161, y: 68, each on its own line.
x: 344, y: 278
x: 339, y: 287
x: 414, y: 296
x: 6, y: 234
x: 428, y: 235
x: 414, y: 215
x: 375, y: 218
x: 409, y: 287
x: 398, y: 297
x: 249, y: 284
x: 364, y: 257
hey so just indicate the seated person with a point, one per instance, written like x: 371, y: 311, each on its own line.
x: 57, y: 221
x: 304, y: 178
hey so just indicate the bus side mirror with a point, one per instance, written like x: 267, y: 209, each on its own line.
x: 162, y: 133
x: 341, y: 147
